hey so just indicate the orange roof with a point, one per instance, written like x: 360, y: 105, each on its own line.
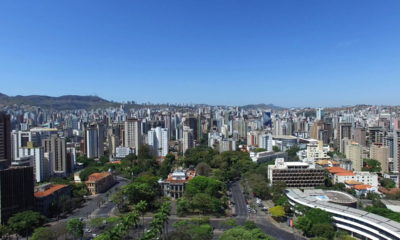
x: 97, y: 176
x: 352, y: 182
x: 336, y: 169
x: 114, y: 162
x: 51, y: 190
x: 347, y: 173
x: 362, y: 187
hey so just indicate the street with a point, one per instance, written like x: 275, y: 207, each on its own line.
x: 260, y: 219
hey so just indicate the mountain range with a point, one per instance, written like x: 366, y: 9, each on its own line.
x: 70, y: 102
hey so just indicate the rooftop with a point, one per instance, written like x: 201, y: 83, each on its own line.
x: 50, y: 190
x: 376, y: 220
x: 98, y: 176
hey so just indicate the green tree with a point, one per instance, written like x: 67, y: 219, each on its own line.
x: 304, y: 224
x: 4, y: 231
x: 202, y: 184
x: 84, y: 174
x: 167, y: 165
x: 43, y: 233
x: 240, y: 233
x: 371, y: 165
x: 75, y: 228
x: 249, y: 225
x: 292, y: 152
x: 24, y: 223
x: 388, y: 183
x: 277, y: 212
x: 144, y: 152
x: 275, y: 149
x: 120, y: 200
x: 258, y: 185
x: 324, y: 230
x: 260, y: 150
x: 203, y: 169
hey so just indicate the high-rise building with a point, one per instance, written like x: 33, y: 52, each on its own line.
x: 265, y: 141
x: 94, y: 141
x: 354, y: 154
x: 344, y: 132
x: 16, y: 191
x: 40, y: 165
x: 267, y: 120
x: 359, y: 135
x: 157, y: 139
x: 187, y: 139
x: 192, y: 123
x: 5, y: 141
x: 381, y: 154
x: 133, y: 137
x: 320, y: 114
x: 56, y: 150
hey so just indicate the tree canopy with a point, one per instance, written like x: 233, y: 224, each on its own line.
x: 371, y: 165
x: 240, y: 233
x: 24, y: 223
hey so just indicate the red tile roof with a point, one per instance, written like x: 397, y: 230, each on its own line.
x: 50, y: 191
x: 348, y: 173
x: 97, y: 176
x: 336, y: 169
x: 362, y: 187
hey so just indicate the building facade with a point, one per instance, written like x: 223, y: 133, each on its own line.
x: 295, y: 174
x: 100, y: 182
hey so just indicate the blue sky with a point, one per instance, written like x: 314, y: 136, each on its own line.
x: 286, y: 52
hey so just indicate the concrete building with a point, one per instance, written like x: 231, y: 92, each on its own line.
x: 295, y: 174
x: 122, y: 152
x: 227, y: 145
x: 5, y: 141
x: 354, y: 154
x: 158, y: 141
x: 360, y: 224
x: 262, y: 157
x: 133, y: 134
x: 265, y: 141
x: 49, y: 194
x: 341, y: 175
x: 56, y: 150
x: 187, y: 139
x: 381, y: 154
x: 94, y: 140
x: 100, y: 182
x: 16, y: 191
x: 174, y: 185
x: 315, y: 151
x: 41, y: 168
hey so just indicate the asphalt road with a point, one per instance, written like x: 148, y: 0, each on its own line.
x: 262, y: 221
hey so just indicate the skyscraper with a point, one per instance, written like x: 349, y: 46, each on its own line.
x: 56, y: 151
x: 94, y: 140
x: 158, y: 141
x: 133, y: 135
x: 5, y: 141
x: 187, y: 139
x: 16, y: 183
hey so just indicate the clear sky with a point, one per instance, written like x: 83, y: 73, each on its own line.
x: 286, y: 52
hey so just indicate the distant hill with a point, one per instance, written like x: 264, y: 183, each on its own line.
x: 262, y: 106
x: 66, y: 102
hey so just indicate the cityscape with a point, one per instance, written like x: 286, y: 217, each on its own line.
x: 200, y: 120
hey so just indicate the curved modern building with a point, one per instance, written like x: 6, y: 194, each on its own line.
x: 360, y: 224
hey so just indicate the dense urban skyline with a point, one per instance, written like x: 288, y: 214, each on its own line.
x: 292, y: 53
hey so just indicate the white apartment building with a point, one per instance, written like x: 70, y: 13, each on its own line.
x: 157, y: 139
